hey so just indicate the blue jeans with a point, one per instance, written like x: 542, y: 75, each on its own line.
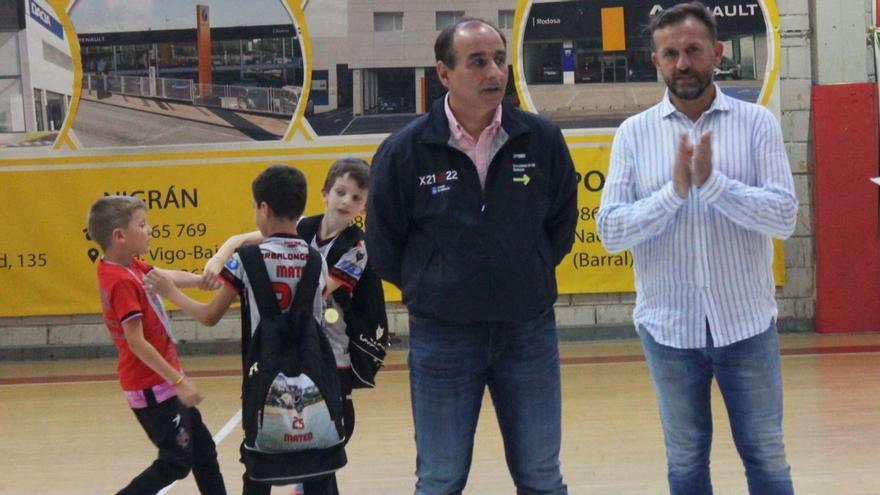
x: 450, y: 367
x: 748, y: 375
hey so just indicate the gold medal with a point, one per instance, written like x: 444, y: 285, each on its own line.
x: 331, y: 315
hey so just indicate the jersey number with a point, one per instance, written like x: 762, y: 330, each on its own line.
x: 283, y: 293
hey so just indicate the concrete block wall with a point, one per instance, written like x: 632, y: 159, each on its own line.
x: 86, y: 336
x: 797, y: 299
x: 579, y: 315
x: 869, y: 55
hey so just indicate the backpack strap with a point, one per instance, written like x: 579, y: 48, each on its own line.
x: 308, y: 227
x: 346, y: 239
x: 258, y: 277
x: 252, y: 262
x: 304, y: 297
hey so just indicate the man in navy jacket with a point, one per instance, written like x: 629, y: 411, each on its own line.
x: 471, y: 208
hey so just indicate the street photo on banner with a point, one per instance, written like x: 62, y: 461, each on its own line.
x: 164, y: 72
x: 36, y: 75
x: 587, y: 63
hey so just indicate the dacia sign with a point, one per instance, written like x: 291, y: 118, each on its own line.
x: 46, y: 19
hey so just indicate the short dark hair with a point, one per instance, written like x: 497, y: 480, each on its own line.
x: 443, y: 51
x: 109, y: 213
x: 679, y: 13
x: 283, y: 188
x: 356, y: 168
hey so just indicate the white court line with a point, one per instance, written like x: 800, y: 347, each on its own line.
x: 232, y: 423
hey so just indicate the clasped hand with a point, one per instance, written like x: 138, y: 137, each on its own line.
x: 692, y: 165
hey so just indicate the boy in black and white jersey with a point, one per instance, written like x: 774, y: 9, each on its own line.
x: 345, y: 196
x: 279, y: 195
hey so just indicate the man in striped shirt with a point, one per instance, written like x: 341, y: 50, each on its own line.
x: 698, y: 185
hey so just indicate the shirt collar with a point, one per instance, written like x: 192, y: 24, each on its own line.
x: 720, y: 103
x: 459, y: 132
x: 284, y: 235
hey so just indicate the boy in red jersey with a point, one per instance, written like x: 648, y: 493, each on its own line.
x: 160, y: 395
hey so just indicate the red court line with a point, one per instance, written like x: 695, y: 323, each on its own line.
x: 631, y: 358
x: 634, y: 358
x: 846, y: 349
x: 101, y: 377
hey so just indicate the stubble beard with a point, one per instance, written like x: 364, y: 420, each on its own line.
x: 689, y: 92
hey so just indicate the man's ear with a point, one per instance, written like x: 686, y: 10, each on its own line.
x: 443, y: 73
x: 718, y: 48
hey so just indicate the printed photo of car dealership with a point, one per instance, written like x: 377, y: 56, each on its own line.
x: 373, y: 65
x: 592, y: 58
x: 36, y: 74
x: 586, y: 63
x: 186, y: 72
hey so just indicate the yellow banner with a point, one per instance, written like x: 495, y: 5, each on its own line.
x: 47, y: 262
x: 589, y: 267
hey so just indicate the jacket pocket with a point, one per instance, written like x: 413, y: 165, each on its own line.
x: 415, y: 267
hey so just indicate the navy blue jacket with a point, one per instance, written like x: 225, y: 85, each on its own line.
x: 459, y: 253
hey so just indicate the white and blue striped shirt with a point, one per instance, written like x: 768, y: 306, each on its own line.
x: 707, y: 257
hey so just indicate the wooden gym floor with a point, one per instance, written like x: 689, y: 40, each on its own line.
x: 65, y: 428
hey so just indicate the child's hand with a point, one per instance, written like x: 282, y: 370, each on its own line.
x: 209, y: 281
x: 188, y: 393
x: 159, y: 283
x: 212, y: 269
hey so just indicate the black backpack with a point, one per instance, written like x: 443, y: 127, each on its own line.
x: 363, y: 308
x: 291, y: 399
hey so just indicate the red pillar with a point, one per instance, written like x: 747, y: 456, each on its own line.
x: 847, y: 228
x: 203, y: 44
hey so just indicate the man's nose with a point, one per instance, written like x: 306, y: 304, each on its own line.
x: 683, y: 62
x: 498, y: 69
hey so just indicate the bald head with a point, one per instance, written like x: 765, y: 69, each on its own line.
x: 444, y: 50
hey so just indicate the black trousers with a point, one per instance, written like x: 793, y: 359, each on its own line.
x: 327, y: 484
x: 185, y: 445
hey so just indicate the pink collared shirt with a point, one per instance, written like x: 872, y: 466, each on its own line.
x: 479, y: 150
